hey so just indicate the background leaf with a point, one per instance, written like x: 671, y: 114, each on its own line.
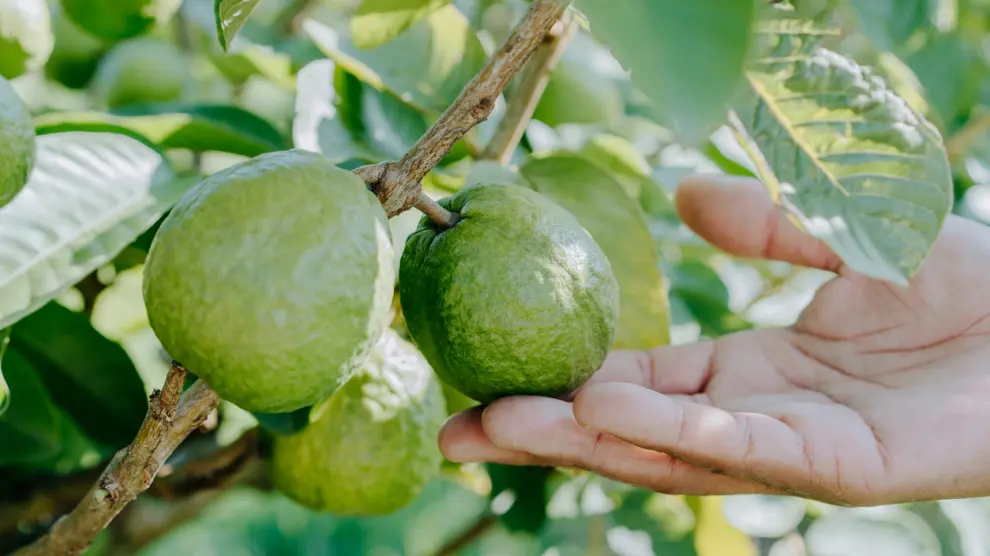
x: 196, y: 127
x: 862, y: 171
x: 90, y: 194
x: 30, y: 429
x: 426, y: 66
x: 529, y: 489
x: 284, y: 423
x: 231, y: 15
x: 618, y: 225
x: 687, y: 57
x: 91, y: 378
x: 379, y: 21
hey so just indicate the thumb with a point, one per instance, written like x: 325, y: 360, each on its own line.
x: 737, y: 215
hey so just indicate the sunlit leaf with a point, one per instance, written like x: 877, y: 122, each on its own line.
x: 426, y: 66
x: 856, y: 165
x: 713, y: 535
x: 686, y: 57
x: 231, y: 15
x: 618, y: 225
x: 766, y: 516
x: 379, y: 21
x: 88, y: 197
x: 90, y: 377
x: 198, y: 127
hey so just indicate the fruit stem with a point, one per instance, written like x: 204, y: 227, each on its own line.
x: 440, y: 216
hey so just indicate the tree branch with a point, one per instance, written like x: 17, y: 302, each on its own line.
x: 527, y: 95
x: 397, y: 184
x: 172, y: 416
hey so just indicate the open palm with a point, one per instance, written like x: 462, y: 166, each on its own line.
x: 878, y: 394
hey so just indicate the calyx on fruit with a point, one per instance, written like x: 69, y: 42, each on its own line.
x: 25, y: 36
x: 372, y: 446
x: 17, y: 143
x: 116, y: 20
x: 516, y: 298
x: 145, y: 69
x: 272, y: 279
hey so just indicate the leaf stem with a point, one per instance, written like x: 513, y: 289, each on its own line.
x: 172, y: 416
x: 484, y: 522
x: 525, y: 98
x: 397, y: 184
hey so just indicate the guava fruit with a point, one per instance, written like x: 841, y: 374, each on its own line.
x: 575, y: 95
x: 76, y: 54
x: 272, y: 279
x: 116, y: 20
x: 25, y: 36
x: 516, y: 298
x: 372, y: 446
x: 145, y: 69
x: 17, y: 143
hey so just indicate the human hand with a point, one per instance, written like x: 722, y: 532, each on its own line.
x: 876, y: 395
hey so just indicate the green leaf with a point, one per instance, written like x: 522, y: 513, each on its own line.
x: 30, y: 429
x: 231, y: 15
x: 4, y: 389
x: 706, y: 297
x: 378, y: 21
x: 686, y: 57
x: 91, y: 378
x: 859, y: 168
x: 88, y: 197
x: 951, y: 73
x: 618, y: 225
x: 426, y: 66
x: 198, y: 127
x: 890, y: 23
x: 380, y: 126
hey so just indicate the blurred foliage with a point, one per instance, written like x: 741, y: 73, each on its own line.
x: 361, y: 81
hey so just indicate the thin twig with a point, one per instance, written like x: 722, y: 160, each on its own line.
x: 533, y: 81
x: 397, y: 184
x: 485, y: 522
x: 440, y: 216
x: 172, y: 416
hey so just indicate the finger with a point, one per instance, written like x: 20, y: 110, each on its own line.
x: 748, y: 446
x: 546, y: 428
x: 737, y: 215
x: 462, y: 441
x: 684, y: 369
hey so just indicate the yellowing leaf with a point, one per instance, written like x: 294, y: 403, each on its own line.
x: 857, y: 167
x: 618, y: 225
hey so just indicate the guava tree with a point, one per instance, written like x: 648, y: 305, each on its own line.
x: 272, y: 244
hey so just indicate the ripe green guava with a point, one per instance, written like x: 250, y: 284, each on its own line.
x: 371, y: 447
x: 17, y: 143
x: 272, y: 279
x: 76, y: 54
x: 516, y: 298
x: 145, y: 69
x: 25, y: 36
x: 116, y: 20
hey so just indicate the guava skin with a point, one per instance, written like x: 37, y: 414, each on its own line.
x: 26, y: 39
x: 17, y: 143
x: 272, y: 279
x: 145, y: 69
x: 115, y: 20
x: 515, y: 299
x: 370, y: 448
